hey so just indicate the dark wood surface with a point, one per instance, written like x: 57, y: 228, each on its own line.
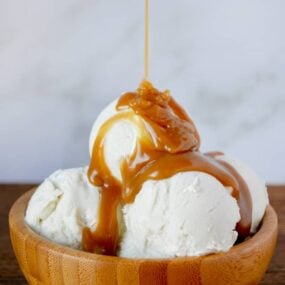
x: 10, y: 273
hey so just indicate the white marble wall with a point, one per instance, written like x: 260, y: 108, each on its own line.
x: 61, y: 61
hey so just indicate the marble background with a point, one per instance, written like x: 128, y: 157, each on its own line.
x: 62, y: 61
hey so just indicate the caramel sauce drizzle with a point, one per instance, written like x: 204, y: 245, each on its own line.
x: 168, y: 143
x: 146, y: 40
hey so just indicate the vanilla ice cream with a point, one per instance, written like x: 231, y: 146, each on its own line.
x: 188, y: 214
x: 256, y: 187
x: 62, y: 206
x: 120, y: 140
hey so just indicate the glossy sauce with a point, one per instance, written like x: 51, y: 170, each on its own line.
x: 168, y: 143
x: 146, y: 39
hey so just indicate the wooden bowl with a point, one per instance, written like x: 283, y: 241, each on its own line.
x: 44, y: 262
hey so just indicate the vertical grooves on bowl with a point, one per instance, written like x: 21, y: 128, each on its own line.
x: 128, y: 272
x: 31, y: 258
x: 55, y: 267
x: 87, y: 272
x: 70, y: 270
x: 153, y: 272
x: 183, y: 272
x: 106, y: 272
x: 43, y: 265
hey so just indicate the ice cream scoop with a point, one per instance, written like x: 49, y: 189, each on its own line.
x: 189, y: 214
x: 63, y: 205
x: 121, y: 139
x: 257, y: 187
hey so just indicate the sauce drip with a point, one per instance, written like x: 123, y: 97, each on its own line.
x: 168, y: 143
x: 146, y: 40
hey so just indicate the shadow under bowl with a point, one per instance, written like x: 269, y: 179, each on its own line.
x: 44, y: 262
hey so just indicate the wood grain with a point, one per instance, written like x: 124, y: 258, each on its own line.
x: 10, y: 274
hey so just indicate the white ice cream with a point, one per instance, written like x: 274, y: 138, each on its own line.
x: 63, y: 205
x: 120, y: 140
x: 189, y: 214
x: 256, y: 187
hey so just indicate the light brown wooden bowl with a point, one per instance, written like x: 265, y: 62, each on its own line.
x: 44, y: 262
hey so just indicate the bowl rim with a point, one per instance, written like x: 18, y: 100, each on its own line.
x: 267, y: 230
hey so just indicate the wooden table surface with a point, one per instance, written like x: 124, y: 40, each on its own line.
x: 10, y: 273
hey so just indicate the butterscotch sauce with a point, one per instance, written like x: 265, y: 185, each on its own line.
x: 168, y: 143
x: 146, y: 40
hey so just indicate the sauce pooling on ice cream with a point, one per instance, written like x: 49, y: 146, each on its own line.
x: 168, y: 143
